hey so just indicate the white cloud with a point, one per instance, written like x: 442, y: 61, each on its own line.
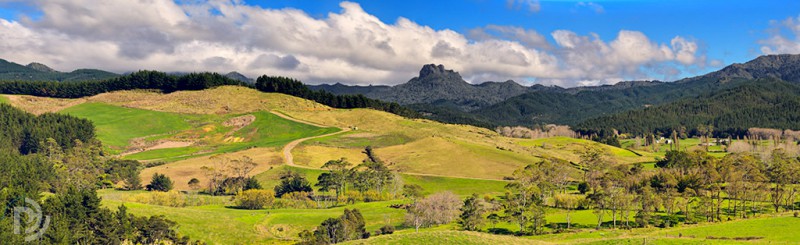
x: 597, y: 8
x: 530, y: 38
x: 784, y: 37
x: 532, y: 6
x: 350, y: 46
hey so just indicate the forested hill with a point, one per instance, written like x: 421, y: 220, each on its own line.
x: 768, y: 102
x: 581, y: 104
x: 41, y: 72
x: 546, y: 107
x: 783, y: 66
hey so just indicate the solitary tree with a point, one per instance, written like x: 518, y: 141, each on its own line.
x: 472, y: 213
x: 160, y: 182
x: 292, y: 182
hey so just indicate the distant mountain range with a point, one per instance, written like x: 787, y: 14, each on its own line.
x: 40, y: 72
x: 443, y: 95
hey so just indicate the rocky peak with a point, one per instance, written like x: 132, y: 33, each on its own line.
x: 432, y: 70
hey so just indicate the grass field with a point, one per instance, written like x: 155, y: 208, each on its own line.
x: 570, y: 148
x: 685, y: 144
x: 453, y: 157
x: 116, y: 126
x: 354, y: 139
x: 184, y: 170
x: 430, y: 184
x: 445, y: 237
x: 218, y: 224
x: 4, y: 99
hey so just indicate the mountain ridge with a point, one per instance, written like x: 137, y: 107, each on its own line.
x: 40, y: 72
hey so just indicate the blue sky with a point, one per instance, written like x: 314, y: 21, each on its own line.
x: 583, y: 43
x: 728, y: 29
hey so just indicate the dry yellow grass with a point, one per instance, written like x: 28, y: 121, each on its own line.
x: 39, y: 105
x: 182, y: 171
x: 449, y: 157
x: 315, y: 156
x: 220, y: 100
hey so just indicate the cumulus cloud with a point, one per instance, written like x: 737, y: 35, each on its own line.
x: 350, y: 46
x: 784, y: 37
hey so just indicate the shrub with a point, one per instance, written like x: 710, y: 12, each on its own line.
x: 386, y: 230
x: 372, y: 196
x: 583, y: 187
x: 297, y: 196
x: 194, y: 183
x: 255, y: 199
x: 160, y: 182
x: 169, y: 198
x: 292, y: 182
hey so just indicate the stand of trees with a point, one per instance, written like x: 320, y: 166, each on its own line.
x: 230, y: 176
x: 26, y: 133
x: 296, y: 88
x: 371, y: 179
x: 686, y: 187
x: 137, y: 80
x: 348, y: 227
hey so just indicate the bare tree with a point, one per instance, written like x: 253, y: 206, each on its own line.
x: 436, y: 209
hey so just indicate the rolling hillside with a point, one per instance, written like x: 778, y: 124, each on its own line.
x: 438, y: 157
x: 195, y: 118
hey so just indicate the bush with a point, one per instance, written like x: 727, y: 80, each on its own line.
x: 160, y: 182
x: 386, y: 230
x: 372, y: 196
x: 194, y: 183
x: 292, y: 182
x: 169, y: 199
x: 233, y: 185
x: 583, y: 187
x: 255, y: 199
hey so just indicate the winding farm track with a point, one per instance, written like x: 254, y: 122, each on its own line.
x: 288, y: 158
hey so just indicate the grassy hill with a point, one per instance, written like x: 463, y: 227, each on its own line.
x: 408, y: 145
x: 120, y: 128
